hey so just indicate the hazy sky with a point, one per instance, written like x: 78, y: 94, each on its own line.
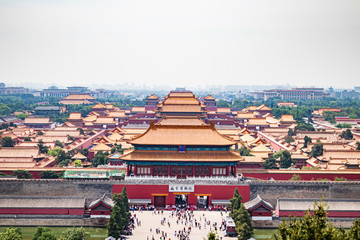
x: 180, y: 43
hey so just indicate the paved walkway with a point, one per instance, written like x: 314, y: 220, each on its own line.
x: 150, y: 221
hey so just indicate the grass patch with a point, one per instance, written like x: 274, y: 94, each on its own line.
x: 91, y: 232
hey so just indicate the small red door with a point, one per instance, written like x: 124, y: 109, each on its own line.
x: 159, y: 201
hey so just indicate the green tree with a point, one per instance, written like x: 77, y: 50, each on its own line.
x: 347, y: 134
x: 59, y: 144
x: 114, y: 225
x: 7, y: 142
x: 42, y: 147
x: 81, y: 131
x: 285, y: 159
x: 11, y: 234
x: 270, y: 163
x: 354, y: 232
x: 244, y: 151
x: 70, y: 138
x: 307, y: 140
x: 317, y: 150
x: 117, y: 148
x: 44, y: 233
x: 289, y: 139
x: 27, y: 139
x: 77, y: 163
x: 120, y: 214
x: 40, y: 133
x: 212, y: 236
x: 330, y: 118
x: 73, y: 234
x: 100, y: 158
x: 55, y: 151
x: 241, y: 217
x: 314, y: 226
x: 48, y: 175
x: 343, y: 125
x: 22, y: 116
x: 22, y: 174
x: 357, y: 145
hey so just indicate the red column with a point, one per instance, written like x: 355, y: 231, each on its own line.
x: 135, y: 170
x: 211, y: 171
x: 152, y: 170
x: 227, y: 170
x: 128, y: 170
x: 169, y: 170
x: 193, y: 170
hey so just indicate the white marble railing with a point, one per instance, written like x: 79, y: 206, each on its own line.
x: 145, y: 177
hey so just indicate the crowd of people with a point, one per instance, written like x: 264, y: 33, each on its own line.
x: 185, y: 223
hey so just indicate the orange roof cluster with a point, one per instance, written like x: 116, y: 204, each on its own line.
x: 152, y: 97
x: 37, y: 120
x: 198, y: 156
x: 209, y: 97
x: 182, y: 135
x: 175, y: 120
x: 78, y: 97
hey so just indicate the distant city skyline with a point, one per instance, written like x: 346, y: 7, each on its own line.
x: 169, y: 44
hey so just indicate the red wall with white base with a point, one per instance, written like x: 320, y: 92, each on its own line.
x: 220, y: 192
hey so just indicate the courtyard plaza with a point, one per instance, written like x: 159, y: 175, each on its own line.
x: 168, y: 223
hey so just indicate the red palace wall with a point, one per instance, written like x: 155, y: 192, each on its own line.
x: 44, y: 211
x: 303, y: 176
x: 220, y: 192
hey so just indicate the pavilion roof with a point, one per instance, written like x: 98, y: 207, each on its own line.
x: 182, y: 135
x: 37, y: 120
x: 115, y: 155
x: 115, y: 137
x: 174, y: 156
x: 98, y: 106
x: 223, y: 110
x: 103, y: 199
x: 183, y: 120
x: 261, y: 148
x: 117, y: 114
x: 75, y: 102
x: 182, y: 108
x: 287, y: 118
x: 181, y: 100
x: 247, y: 138
x: 104, y: 120
x: 152, y: 97
x: 100, y: 147
x: 257, y: 121
x: 181, y: 94
x: 245, y: 115
x: 209, y: 97
x: 244, y: 131
x: 138, y: 109
x: 79, y: 156
x: 263, y: 107
x: 117, y: 130
x: 90, y: 118
x: 256, y: 202
x: 78, y: 97
x: 109, y: 106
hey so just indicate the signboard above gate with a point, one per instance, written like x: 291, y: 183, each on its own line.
x: 181, y: 187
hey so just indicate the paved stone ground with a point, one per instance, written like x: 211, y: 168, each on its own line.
x: 149, y: 220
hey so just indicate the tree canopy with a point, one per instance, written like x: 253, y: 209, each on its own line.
x: 315, y: 226
x: 241, y: 217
